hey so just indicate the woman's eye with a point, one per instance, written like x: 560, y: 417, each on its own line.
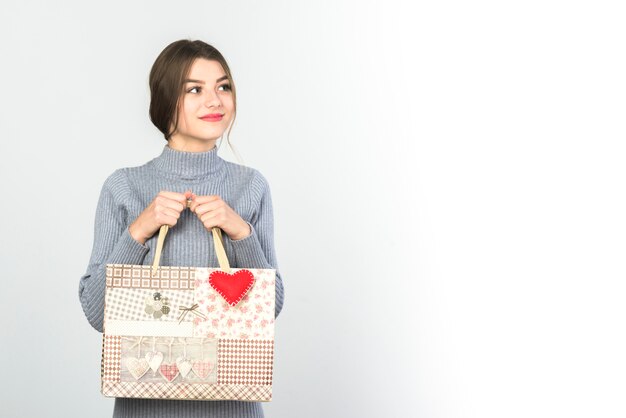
x: 191, y: 90
x: 226, y: 86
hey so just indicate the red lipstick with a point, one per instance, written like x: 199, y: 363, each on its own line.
x: 212, y: 117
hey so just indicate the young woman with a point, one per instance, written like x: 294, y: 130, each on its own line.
x: 190, y: 187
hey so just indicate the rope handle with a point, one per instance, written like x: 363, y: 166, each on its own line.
x: 217, y: 241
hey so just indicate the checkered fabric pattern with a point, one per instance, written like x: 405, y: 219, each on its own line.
x: 169, y: 371
x: 166, y: 277
x: 128, y: 304
x: 245, y: 362
x: 187, y: 391
x: 111, y: 358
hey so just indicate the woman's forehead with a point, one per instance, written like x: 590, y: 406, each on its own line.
x: 203, y: 70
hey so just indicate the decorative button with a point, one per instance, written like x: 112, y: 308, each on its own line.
x: 157, y: 305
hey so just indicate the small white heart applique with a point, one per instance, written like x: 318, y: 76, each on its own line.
x: 184, y: 366
x: 137, y: 366
x: 154, y: 359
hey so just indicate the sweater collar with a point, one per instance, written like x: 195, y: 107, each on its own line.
x: 189, y: 165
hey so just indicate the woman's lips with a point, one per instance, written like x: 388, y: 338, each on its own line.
x: 212, y: 118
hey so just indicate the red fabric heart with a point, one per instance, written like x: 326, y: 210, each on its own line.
x: 169, y: 371
x: 233, y: 287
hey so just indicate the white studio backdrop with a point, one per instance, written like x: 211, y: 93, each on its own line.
x: 448, y: 189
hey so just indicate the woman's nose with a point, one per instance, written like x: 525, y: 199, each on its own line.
x: 212, y: 99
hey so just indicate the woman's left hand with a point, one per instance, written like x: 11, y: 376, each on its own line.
x: 213, y: 211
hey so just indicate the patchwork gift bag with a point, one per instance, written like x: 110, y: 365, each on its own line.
x: 196, y: 333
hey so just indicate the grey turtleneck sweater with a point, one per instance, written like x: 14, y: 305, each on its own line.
x: 126, y: 193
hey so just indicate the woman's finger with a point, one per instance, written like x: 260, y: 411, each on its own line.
x: 179, y: 197
x: 163, y: 203
x: 201, y: 200
x: 179, y: 203
x: 168, y: 216
x: 207, y: 207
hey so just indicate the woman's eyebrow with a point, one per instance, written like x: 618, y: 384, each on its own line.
x: 202, y: 82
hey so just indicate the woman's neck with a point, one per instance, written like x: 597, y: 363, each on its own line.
x: 180, y: 143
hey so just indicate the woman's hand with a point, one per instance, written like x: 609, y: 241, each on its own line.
x: 213, y: 211
x: 165, y: 209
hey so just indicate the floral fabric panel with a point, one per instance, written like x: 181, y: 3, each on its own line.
x: 251, y: 318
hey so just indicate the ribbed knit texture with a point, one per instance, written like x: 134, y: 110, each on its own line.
x: 126, y: 193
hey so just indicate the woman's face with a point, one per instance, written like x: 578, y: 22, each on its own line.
x: 206, y: 94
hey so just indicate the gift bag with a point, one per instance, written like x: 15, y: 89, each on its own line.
x: 188, y: 333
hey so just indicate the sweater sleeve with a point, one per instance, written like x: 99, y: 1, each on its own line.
x: 257, y: 249
x: 112, y: 244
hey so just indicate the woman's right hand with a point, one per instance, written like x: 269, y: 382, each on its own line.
x: 165, y: 209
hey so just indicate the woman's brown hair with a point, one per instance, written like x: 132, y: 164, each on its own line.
x: 169, y: 70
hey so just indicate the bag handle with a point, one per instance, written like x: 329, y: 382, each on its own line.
x: 217, y: 241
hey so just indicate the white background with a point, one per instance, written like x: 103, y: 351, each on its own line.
x: 448, y: 188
